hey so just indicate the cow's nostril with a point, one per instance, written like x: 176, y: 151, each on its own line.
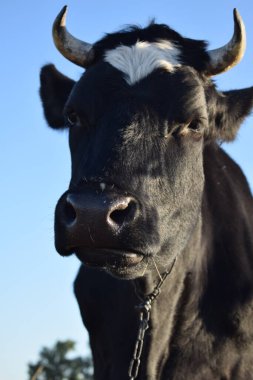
x: 69, y: 213
x: 123, y: 213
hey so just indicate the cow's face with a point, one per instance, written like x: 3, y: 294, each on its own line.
x: 136, y: 140
x: 137, y: 173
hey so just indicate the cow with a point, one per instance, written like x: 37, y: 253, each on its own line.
x: 152, y: 193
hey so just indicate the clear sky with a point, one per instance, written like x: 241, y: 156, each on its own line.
x: 37, y: 302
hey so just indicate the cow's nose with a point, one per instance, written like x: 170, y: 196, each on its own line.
x: 91, y: 219
x: 101, y: 211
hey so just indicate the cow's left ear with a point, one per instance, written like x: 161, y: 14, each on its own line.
x: 54, y: 92
x: 227, y: 110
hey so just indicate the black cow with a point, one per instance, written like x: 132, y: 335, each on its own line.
x: 150, y: 183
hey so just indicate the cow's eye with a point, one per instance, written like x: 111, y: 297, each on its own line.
x: 73, y: 119
x: 191, y: 129
x: 194, y: 126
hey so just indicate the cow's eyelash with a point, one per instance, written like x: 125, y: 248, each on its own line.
x: 72, y: 119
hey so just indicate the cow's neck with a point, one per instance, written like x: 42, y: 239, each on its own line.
x: 167, y: 315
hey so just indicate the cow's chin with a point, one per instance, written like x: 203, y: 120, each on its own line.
x: 120, y: 264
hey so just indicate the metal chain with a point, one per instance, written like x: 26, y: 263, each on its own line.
x: 144, y: 317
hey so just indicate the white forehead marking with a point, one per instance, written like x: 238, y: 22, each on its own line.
x: 102, y: 186
x: 139, y: 60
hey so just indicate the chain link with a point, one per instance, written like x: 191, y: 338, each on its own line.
x: 136, y: 360
x: 144, y: 317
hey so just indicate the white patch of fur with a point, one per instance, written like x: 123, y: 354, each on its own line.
x: 102, y: 186
x: 141, y: 59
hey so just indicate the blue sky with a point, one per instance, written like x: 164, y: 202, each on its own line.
x: 37, y: 302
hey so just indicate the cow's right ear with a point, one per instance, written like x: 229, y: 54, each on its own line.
x: 54, y: 92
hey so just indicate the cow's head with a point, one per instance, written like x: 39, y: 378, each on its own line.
x: 138, y: 120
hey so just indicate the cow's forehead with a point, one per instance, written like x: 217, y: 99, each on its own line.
x: 142, y: 58
x: 174, y: 91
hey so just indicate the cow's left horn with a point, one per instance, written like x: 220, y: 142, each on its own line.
x: 76, y: 51
x: 229, y: 55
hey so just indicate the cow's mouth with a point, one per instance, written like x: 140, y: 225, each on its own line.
x: 104, y: 257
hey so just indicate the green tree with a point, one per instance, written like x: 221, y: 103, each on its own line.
x: 56, y: 364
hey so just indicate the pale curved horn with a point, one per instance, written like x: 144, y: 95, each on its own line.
x: 229, y: 55
x: 76, y: 51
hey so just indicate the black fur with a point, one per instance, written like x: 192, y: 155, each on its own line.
x: 156, y: 142
x: 193, y: 51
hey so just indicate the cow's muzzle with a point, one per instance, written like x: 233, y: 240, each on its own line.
x: 94, y: 225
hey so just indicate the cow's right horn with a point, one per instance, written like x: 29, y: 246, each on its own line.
x: 75, y: 50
